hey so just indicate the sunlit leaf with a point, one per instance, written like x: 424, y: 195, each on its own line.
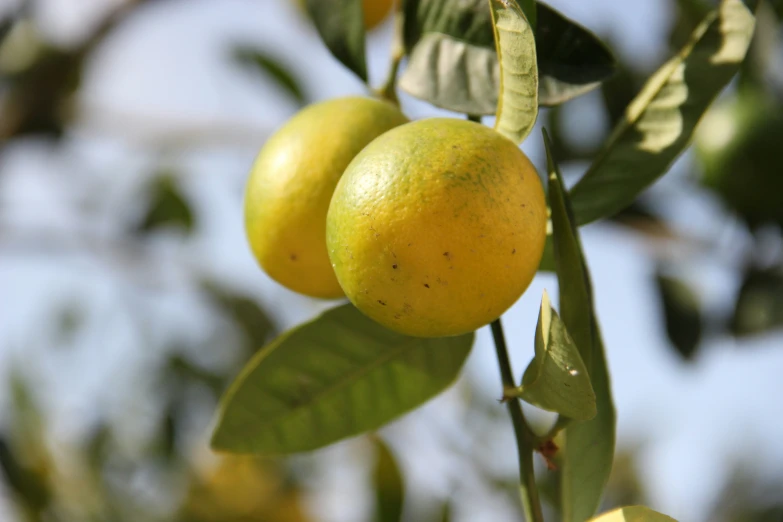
x: 556, y: 379
x: 587, y: 448
x: 389, y: 485
x: 336, y: 376
x: 516, y: 48
x: 271, y: 68
x: 681, y: 313
x: 660, y: 121
x: 341, y: 26
x: 633, y: 514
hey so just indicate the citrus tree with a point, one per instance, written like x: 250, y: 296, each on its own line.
x: 434, y: 228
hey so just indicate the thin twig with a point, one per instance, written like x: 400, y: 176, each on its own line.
x: 525, y: 437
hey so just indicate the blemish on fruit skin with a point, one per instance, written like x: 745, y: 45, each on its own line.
x: 381, y: 303
x: 394, y: 266
x: 447, y: 255
x: 426, y: 285
x: 293, y: 257
x: 514, y: 251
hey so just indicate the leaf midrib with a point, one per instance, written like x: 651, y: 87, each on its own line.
x: 327, y: 391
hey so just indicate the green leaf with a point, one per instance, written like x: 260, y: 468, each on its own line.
x: 446, y: 513
x: 571, y: 59
x: 341, y: 26
x: 453, y: 75
x: 633, y: 514
x: 587, y: 447
x: 167, y: 207
x: 556, y: 379
x: 337, y: 376
x: 659, y: 122
x: 28, y: 487
x: 389, y: 485
x: 270, y: 67
x: 245, y: 313
x: 681, y: 313
x: 516, y: 48
x: 469, y: 21
x: 759, y: 306
x: 530, y: 11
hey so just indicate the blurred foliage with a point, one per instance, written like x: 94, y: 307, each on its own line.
x: 271, y: 68
x: 759, y: 305
x: 388, y: 484
x: 736, y: 160
x: 167, y: 207
x: 103, y: 477
x: 744, y: 498
x: 681, y: 313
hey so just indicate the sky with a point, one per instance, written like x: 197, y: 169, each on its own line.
x: 164, y: 77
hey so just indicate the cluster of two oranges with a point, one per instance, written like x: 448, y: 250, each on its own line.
x: 431, y: 228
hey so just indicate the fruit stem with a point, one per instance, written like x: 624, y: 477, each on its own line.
x: 388, y: 90
x: 524, y: 435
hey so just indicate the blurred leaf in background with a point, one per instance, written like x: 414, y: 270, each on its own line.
x: 388, y: 483
x: 167, y: 207
x: 681, y: 312
x: 272, y: 68
x: 759, y: 305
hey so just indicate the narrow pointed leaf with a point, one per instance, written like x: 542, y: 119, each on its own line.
x: 271, y: 68
x: 660, y: 121
x: 587, y: 448
x: 516, y: 48
x: 341, y: 26
x: 337, y: 376
x: 389, y: 485
x: 633, y: 514
x: 681, y: 314
x: 556, y: 379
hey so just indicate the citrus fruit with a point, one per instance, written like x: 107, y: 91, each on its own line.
x: 375, y: 11
x: 292, y: 181
x: 437, y: 227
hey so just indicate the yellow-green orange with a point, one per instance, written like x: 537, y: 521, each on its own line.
x: 437, y: 227
x: 291, y: 184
